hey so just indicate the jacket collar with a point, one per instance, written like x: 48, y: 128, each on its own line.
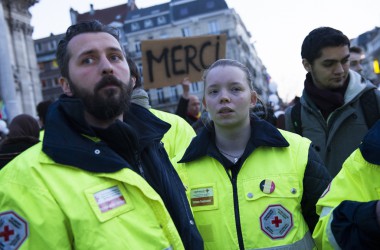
x: 263, y: 134
x: 69, y: 140
x: 370, y: 146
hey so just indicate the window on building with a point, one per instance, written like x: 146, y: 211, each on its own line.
x: 41, y: 66
x: 140, y: 69
x: 195, y: 87
x: 213, y: 27
x: 210, y: 4
x: 52, y: 45
x: 160, y: 95
x: 161, y: 20
x: 184, y: 11
x: 38, y: 47
x: 137, y: 46
x: 148, y: 23
x: 186, y: 31
x: 135, y: 26
x: 174, y: 93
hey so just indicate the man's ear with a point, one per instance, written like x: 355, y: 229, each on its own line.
x: 65, y: 86
x: 306, y: 65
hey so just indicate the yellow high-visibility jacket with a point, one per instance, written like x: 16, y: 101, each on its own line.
x: 45, y: 205
x: 257, y: 206
x: 352, y: 195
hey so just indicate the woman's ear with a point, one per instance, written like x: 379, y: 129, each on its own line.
x: 65, y: 86
x: 253, y: 98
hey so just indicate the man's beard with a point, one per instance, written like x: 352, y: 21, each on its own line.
x: 105, y: 104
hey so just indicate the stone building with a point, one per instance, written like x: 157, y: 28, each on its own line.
x: 20, y: 89
x: 176, y: 18
x: 370, y: 42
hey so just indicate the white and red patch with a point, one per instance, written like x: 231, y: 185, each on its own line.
x: 109, y: 199
x: 276, y: 221
x: 13, y: 230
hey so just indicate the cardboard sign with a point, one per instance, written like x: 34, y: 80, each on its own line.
x: 166, y: 62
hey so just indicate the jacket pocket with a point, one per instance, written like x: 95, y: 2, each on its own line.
x: 203, y: 197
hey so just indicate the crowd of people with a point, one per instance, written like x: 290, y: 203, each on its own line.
x: 101, y: 169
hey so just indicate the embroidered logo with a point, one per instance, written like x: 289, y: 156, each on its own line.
x: 202, y: 197
x: 13, y: 230
x: 109, y: 199
x: 276, y: 221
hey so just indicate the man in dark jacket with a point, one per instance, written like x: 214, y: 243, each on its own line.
x: 331, y: 111
x: 101, y: 157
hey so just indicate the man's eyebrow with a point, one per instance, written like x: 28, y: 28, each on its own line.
x: 86, y: 52
x: 334, y: 60
x: 92, y: 51
x: 114, y: 49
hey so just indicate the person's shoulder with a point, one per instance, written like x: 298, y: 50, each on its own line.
x: 294, y: 138
x: 26, y: 162
x: 173, y: 119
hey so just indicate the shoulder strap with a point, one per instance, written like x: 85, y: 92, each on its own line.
x: 295, y: 114
x: 370, y: 108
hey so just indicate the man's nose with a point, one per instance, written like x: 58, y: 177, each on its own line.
x: 106, y: 66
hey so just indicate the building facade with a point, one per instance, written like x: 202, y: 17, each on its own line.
x: 183, y: 18
x: 176, y: 18
x: 370, y: 42
x: 20, y: 88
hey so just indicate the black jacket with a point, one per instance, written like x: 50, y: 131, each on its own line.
x: 134, y: 144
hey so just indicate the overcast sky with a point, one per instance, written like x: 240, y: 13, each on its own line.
x: 278, y: 27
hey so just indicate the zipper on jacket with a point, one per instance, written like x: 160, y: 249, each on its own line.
x: 234, y: 172
x: 139, y: 163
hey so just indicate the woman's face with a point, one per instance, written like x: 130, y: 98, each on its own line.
x: 228, y: 98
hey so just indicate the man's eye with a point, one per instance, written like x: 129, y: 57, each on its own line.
x: 213, y: 91
x: 116, y: 58
x: 87, y: 60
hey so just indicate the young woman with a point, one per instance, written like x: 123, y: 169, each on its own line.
x: 249, y: 184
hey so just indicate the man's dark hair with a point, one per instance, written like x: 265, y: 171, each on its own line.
x: 319, y: 39
x: 62, y: 54
x: 134, y: 73
x: 355, y: 49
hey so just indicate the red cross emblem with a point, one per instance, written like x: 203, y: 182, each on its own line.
x: 276, y: 221
x: 13, y: 230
